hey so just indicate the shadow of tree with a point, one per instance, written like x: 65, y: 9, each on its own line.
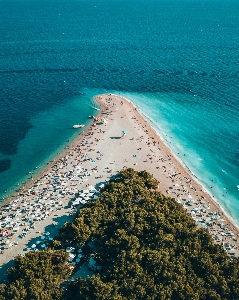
x: 51, y: 228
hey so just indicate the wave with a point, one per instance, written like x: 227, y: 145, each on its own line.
x: 49, y: 70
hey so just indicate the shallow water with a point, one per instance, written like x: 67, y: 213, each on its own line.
x: 51, y: 131
x: 199, y: 139
x: 177, y: 60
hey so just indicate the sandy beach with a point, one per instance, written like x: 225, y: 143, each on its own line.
x: 120, y: 138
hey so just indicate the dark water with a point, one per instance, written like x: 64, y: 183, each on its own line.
x: 178, y: 60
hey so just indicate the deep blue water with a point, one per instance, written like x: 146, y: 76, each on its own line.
x: 177, y: 60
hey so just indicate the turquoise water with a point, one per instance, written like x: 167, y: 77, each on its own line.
x: 50, y: 133
x: 198, y: 139
x: 176, y: 59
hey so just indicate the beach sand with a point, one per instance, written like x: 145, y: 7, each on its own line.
x: 100, y: 152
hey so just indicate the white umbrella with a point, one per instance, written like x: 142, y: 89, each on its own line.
x: 34, y: 246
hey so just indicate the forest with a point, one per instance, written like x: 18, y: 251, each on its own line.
x: 144, y: 246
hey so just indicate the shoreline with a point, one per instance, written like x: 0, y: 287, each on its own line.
x: 125, y: 140
x: 47, y: 164
x: 184, y: 165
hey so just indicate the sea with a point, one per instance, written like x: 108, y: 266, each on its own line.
x: 176, y: 60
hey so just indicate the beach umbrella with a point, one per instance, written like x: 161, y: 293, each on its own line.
x: 77, y: 260
x: 47, y: 233
x: 92, y: 262
x: 43, y: 245
x: 34, y: 246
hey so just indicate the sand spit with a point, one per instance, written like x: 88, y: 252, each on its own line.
x: 120, y: 138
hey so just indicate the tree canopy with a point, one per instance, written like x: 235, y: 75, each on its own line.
x: 145, y: 246
x: 148, y: 247
x: 37, y: 276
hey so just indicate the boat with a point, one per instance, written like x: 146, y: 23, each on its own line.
x: 78, y: 126
x: 90, y: 117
